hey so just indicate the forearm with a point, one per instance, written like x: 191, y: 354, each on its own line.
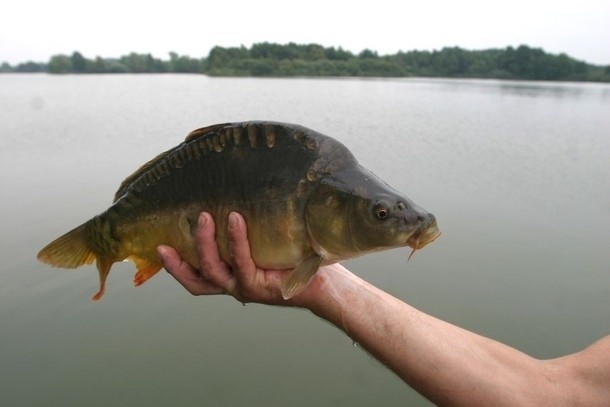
x: 447, y: 364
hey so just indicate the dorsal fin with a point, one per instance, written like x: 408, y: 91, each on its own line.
x: 195, y: 134
x: 139, y: 172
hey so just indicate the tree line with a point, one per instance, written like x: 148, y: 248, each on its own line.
x: 271, y: 59
x: 132, y: 63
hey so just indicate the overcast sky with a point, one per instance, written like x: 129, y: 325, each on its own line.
x: 37, y: 29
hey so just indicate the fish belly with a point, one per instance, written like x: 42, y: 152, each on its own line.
x: 278, y: 240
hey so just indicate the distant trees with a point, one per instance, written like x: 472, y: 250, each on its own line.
x: 510, y: 63
x: 24, y: 67
x: 268, y: 59
x: 533, y: 63
x: 60, y: 64
x: 131, y: 63
x: 271, y: 59
x: 79, y: 63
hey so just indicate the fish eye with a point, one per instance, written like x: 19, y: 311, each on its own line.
x: 381, y: 211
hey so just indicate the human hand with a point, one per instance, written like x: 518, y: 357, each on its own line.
x: 243, y: 280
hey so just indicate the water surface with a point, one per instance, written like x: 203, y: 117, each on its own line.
x: 517, y: 174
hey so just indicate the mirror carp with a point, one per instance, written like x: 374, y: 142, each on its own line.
x: 305, y: 198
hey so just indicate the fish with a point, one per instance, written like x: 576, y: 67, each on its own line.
x: 304, y: 196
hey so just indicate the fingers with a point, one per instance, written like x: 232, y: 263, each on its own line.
x: 205, y: 236
x: 239, y: 246
x: 212, y: 267
x: 173, y: 263
x: 184, y: 273
x: 254, y: 284
x: 243, y: 279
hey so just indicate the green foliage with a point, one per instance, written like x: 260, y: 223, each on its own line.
x: 185, y: 64
x: 27, y: 67
x: 131, y: 63
x: 267, y: 59
x: 270, y: 59
x: 60, y: 64
x: 98, y: 65
x: 79, y: 63
x: 367, y: 54
x: 534, y: 63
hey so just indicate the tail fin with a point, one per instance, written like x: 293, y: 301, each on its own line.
x: 68, y: 251
x: 71, y: 251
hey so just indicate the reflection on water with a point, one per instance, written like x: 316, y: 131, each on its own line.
x: 513, y: 87
x: 515, y: 172
x: 551, y: 89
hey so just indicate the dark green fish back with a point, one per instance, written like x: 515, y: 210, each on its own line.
x: 235, y: 162
x: 195, y: 134
x: 141, y: 171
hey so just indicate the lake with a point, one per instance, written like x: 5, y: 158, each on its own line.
x: 517, y: 174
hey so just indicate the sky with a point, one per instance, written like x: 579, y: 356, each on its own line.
x: 37, y: 29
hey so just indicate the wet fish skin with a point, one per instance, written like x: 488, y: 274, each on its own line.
x: 305, y: 198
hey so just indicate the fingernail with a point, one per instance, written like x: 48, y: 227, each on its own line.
x: 202, y: 219
x: 161, y: 252
x: 233, y: 219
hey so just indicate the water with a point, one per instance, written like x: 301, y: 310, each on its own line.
x: 517, y: 174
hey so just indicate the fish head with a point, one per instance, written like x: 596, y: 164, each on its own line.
x: 353, y: 212
x: 385, y: 220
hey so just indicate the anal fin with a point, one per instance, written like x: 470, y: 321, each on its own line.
x: 299, y: 278
x: 146, y: 269
x: 103, y: 268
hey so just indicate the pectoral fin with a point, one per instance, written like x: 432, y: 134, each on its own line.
x: 146, y: 269
x: 299, y: 278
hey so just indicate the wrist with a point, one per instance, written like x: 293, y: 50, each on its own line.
x: 328, y: 293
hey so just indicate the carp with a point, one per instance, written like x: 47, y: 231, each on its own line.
x: 304, y: 196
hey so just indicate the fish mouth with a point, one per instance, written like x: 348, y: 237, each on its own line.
x: 422, y: 237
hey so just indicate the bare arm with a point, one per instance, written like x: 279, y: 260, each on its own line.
x: 445, y: 363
